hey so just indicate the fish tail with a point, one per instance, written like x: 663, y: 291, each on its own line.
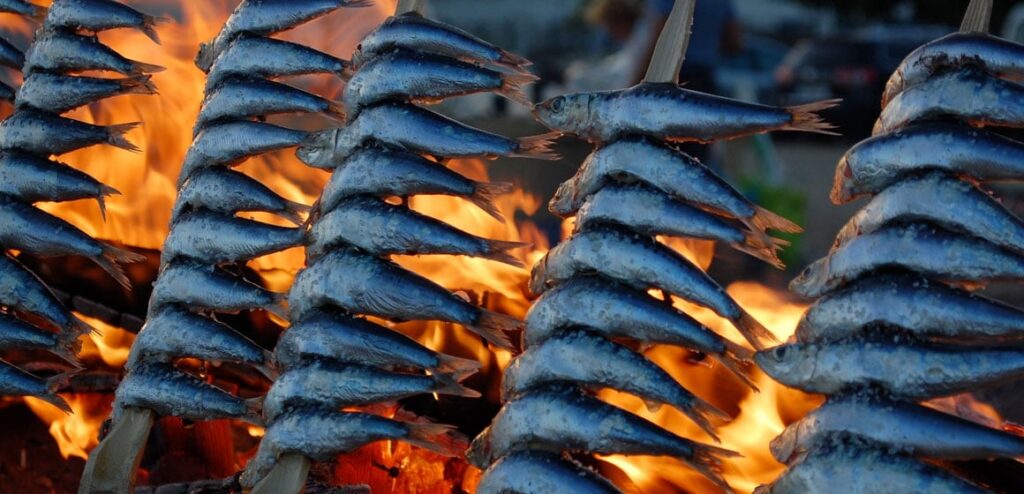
x: 448, y: 385
x: 737, y: 359
x: 761, y: 246
x: 254, y: 411
x: 514, y: 61
x: 484, y: 194
x: 512, y: 87
x: 708, y: 461
x: 111, y: 260
x: 116, y: 136
x: 805, y: 118
x: 138, y: 85
x: 68, y: 345
x: 766, y: 220
x: 149, y: 24
x: 55, y: 384
x: 493, y: 326
x: 754, y: 331
x: 146, y: 68
x: 497, y: 250
x: 80, y: 327
x: 294, y: 212
x: 703, y: 414
x: 279, y: 306
x: 459, y: 368
x: 440, y: 438
x: 538, y: 147
x: 101, y: 198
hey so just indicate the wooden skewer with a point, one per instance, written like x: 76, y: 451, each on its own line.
x: 978, y: 18
x: 670, y: 51
x: 406, y: 6
x: 112, y: 465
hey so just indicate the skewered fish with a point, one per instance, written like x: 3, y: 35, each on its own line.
x: 46, y: 134
x: 218, y: 238
x: 16, y: 382
x: 244, y: 97
x: 30, y: 178
x: 10, y: 55
x: 256, y: 56
x: 61, y: 51
x: 204, y: 287
x: 231, y: 143
x: 226, y: 191
x: 538, y: 472
x: 93, y: 16
x: 968, y: 95
x: 56, y: 93
x: 171, y: 392
x: 22, y: 291
x: 15, y: 333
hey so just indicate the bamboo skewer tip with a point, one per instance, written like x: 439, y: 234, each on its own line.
x: 406, y: 6
x: 978, y: 18
x: 670, y: 52
x: 112, y: 466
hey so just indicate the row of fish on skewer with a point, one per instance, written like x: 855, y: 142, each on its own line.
x: 33, y: 318
x: 896, y: 322
x: 594, y: 307
x: 337, y: 355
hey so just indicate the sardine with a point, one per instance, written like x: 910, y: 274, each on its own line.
x: 648, y: 211
x: 363, y: 284
x: 331, y: 336
x: 596, y: 363
x: 997, y: 56
x: 16, y: 382
x: 266, y: 17
x: 541, y: 472
x: 218, y: 238
x: 7, y: 93
x: 383, y: 229
x: 425, y: 79
x: 616, y: 310
x: 227, y: 191
x: 968, y: 95
x: 55, y: 93
x: 642, y: 263
x: 419, y: 130
x: 256, y: 56
x: 904, y: 370
x: 921, y: 248
x: 334, y: 386
x: 943, y: 200
x: 208, y: 288
x: 30, y: 179
x: 673, y: 172
x: 865, y: 471
x: 40, y: 234
x: 23, y: 8
x: 93, y: 16
x: 62, y: 51
x: 669, y: 111
x: 238, y: 98
x: 414, y: 32
x: 173, y: 332
x: 170, y: 392
x: 896, y: 427
x: 342, y: 432
x: 11, y: 56
x: 45, y: 134
x: 568, y: 420
x: 878, y: 162
x: 21, y: 290
x: 379, y: 171
x: 231, y: 143
x: 913, y: 304
x: 18, y: 334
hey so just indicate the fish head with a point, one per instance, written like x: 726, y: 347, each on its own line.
x: 843, y: 185
x: 205, y: 56
x: 563, y: 203
x: 318, y: 149
x: 813, y: 280
x: 538, y: 277
x: 568, y: 113
x: 479, y: 452
x: 789, y: 363
x: 785, y: 446
x: 358, y: 57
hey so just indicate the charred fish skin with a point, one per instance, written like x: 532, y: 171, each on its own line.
x: 16, y: 382
x: 380, y: 171
x: 865, y: 471
x: 93, y: 16
x: 668, y: 111
x: 45, y: 134
x: 903, y: 370
x: 539, y: 472
x: 30, y: 179
x: 170, y: 392
x: 229, y: 144
x: 242, y: 97
x: 21, y: 290
x: 997, y: 56
x: 61, y: 51
x: 896, y: 427
x: 565, y: 419
x: 921, y: 248
x: 420, y: 130
x: 264, y: 18
x: 878, y: 162
x: 204, y: 287
x: 217, y: 238
x: 927, y: 198
x: 55, y: 93
x: 382, y: 229
x: 914, y: 304
x: 596, y: 363
x: 257, y: 56
x: 341, y: 432
x: 226, y: 191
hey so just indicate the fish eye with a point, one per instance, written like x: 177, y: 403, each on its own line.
x: 558, y: 104
x: 780, y: 352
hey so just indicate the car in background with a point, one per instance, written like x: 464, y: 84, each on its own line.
x: 854, y: 67
x: 750, y: 74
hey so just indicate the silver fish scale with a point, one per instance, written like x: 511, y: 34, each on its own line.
x: 336, y: 357
x: 892, y: 324
x: 29, y: 137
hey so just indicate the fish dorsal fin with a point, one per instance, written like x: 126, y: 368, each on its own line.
x: 406, y: 6
x: 670, y: 51
x: 978, y: 17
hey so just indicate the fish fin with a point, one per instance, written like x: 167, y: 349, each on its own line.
x: 138, y: 85
x: 737, y: 359
x: 279, y: 307
x: 149, y: 24
x: 116, y: 136
x: 68, y: 345
x: 54, y: 384
x: 440, y: 438
x: 484, y: 194
x: 708, y: 461
x: 497, y: 250
x: 450, y: 386
x: 538, y: 147
x: 754, y: 331
x: 512, y: 87
x: 101, y: 198
x: 514, y: 61
x: 111, y: 260
x: 254, y: 411
x: 80, y: 327
x: 493, y: 326
x: 806, y: 118
x: 766, y: 220
x: 702, y: 413
x: 458, y: 368
x: 294, y: 212
x: 139, y: 68
x: 761, y: 246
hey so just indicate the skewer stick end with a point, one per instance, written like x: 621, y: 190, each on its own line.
x: 112, y: 465
x: 978, y: 18
x: 287, y: 477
